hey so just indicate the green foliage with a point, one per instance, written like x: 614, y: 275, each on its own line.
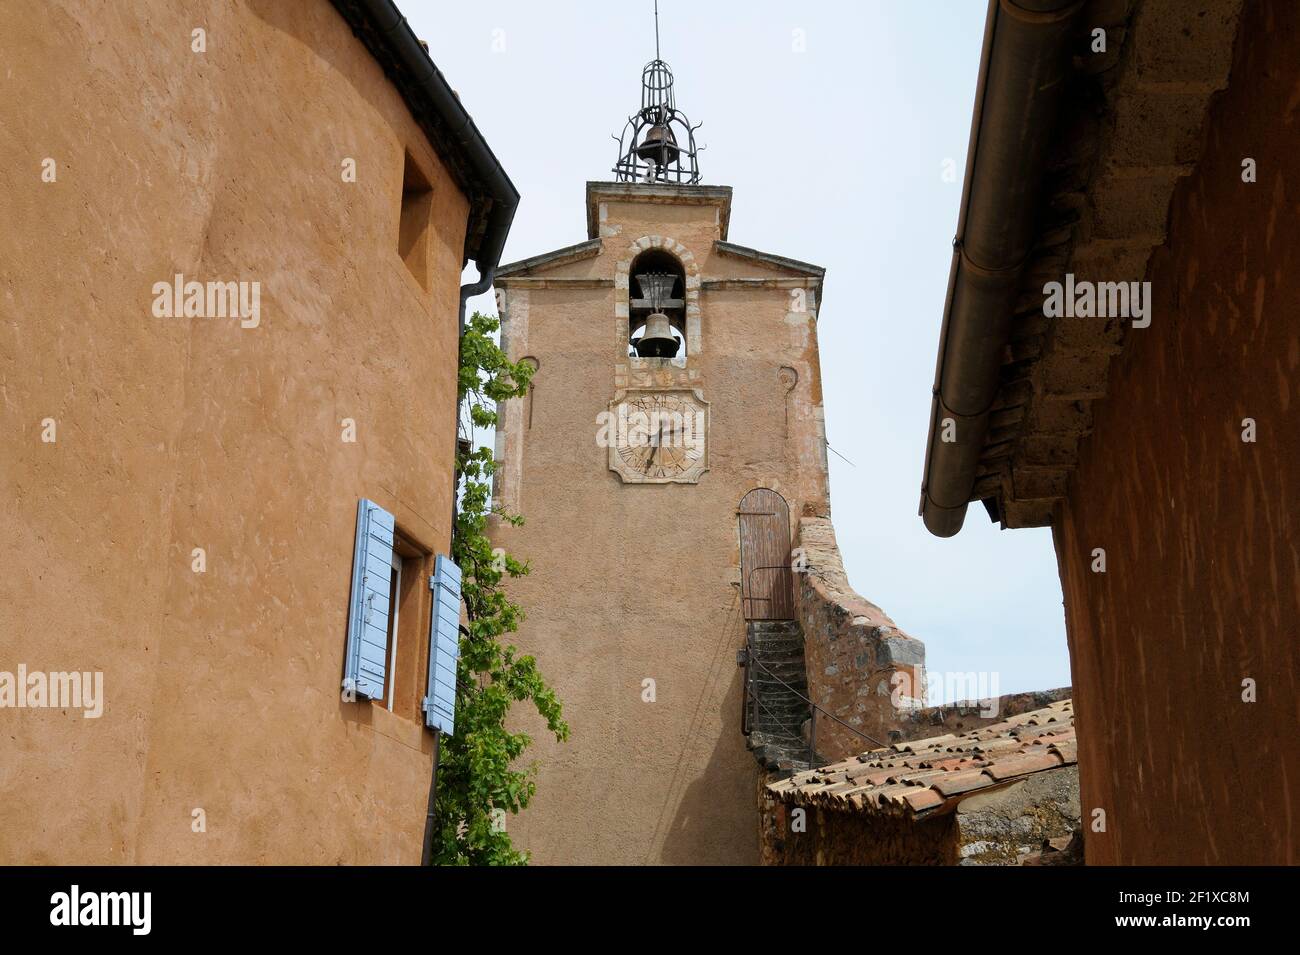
x: 477, y: 779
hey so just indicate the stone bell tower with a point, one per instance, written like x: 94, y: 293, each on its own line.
x: 676, y: 372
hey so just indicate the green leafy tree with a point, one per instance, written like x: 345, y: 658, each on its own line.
x: 479, y: 780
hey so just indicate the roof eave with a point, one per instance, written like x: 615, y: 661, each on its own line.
x: 451, y: 131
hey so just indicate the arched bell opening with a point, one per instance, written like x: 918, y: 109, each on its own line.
x: 657, y: 309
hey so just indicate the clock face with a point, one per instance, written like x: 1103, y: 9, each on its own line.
x: 660, y: 437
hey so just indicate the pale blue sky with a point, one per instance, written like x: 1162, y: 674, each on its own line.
x: 835, y: 155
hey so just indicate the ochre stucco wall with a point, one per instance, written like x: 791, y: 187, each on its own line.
x: 640, y: 581
x: 1202, y: 586
x: 222, y: 689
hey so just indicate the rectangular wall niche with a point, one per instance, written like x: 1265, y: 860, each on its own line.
x: 416, y: 218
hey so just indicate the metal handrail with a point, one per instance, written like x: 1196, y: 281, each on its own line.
x: 751, y: 660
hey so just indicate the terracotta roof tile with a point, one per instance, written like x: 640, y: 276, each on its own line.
x: 919, y: 778
x: 951, y: 763
x: 916, y: 746
x: 923, y: 798
x: 1021, y: 765
x: 1069, y: 751
x: 956, y: 783
x: 998, y: 746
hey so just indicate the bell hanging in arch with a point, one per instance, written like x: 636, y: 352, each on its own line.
x: 657, y: 341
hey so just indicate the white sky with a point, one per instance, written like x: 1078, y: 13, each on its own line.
x: 835, y: 156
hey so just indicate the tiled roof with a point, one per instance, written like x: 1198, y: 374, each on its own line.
x: 926, y: 777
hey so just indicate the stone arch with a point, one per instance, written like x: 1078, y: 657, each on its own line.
x: 622, y: 287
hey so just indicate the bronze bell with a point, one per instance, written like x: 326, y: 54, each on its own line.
x: 657, y: 341
x: 659, y: 146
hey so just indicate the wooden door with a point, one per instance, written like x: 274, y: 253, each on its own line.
x: 766, y: 582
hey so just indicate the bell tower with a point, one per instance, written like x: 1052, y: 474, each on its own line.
x: 676, y: 373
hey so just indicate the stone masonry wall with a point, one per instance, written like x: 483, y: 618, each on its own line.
x: 852, y: 650
x: 967, y: 715
x: 826, y: 837
x: 1005, y: 826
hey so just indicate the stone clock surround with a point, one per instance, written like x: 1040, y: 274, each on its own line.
x: 691, y: 475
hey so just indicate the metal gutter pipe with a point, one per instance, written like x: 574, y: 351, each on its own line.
x: 1022, y: 71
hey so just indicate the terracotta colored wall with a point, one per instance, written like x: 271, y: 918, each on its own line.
x: 222, y: 688
x: 637, y: 581
x: 1202, y: 588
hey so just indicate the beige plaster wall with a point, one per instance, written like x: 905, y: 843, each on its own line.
x: 636, y: 582
x: 222, y: 688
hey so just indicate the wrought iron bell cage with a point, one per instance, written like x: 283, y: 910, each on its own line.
x: 657, y: 86
x: 658, y: 142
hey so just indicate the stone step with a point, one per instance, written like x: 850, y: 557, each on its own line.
x: 777, y: 741
x: 776, y: 726
x: 782, y: 706
x: 778, y: 736
x: 778, y: 681
x: 763, y: 638
x: 787, y: 691
x: 774, y: 633
x: 787, y: 708
x: 785, y: 703
x: 786, y: 732
x: 782, y: 758
x: 770, y: 697
x: 773, y: 630
x: 765, y: 669
x: 759, y: 661
x: 791, y: 723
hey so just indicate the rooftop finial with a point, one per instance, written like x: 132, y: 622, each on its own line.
x: 656, y: 29
x: 658, y: 142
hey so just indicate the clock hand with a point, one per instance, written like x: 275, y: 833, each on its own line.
x: 658, y: 443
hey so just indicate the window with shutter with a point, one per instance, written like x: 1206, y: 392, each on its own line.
x: 366, y: 665
x: 444, y: 646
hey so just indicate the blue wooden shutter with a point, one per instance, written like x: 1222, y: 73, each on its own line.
x: 444, y: 646
x: 366, y: 665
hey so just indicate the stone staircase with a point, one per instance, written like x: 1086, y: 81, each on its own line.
x: 779, y: 681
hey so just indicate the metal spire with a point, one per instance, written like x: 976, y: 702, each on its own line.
x: 658, y: 142
x: 656, y: 29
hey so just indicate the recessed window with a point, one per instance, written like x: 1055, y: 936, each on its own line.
x: 416, y: 221
x: 394, y: 613
x: 402, y: 640
x: 407, y: 629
